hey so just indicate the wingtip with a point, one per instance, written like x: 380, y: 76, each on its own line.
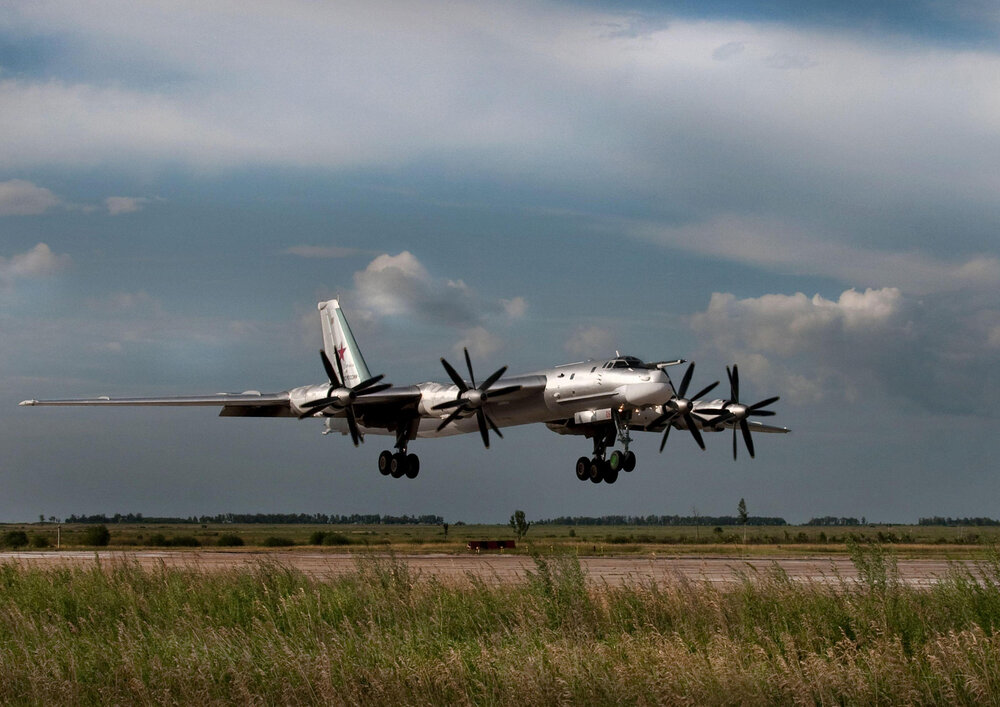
x: 24, y: 403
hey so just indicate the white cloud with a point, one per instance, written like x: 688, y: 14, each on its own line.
x: 400, y: 285
x: 938, y: 350
x: 37, y: 262
x: 22, y: 198
x: 480, y: 342
x: 515, y: 307
x: 125, y: 204
x: 590, y: 342
x: 790, y: 324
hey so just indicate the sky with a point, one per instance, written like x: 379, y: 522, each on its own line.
x: 809, y: 191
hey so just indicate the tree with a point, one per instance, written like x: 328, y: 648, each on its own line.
x: 519, y: 524
x: 96, y: 535
x: 741, y: 510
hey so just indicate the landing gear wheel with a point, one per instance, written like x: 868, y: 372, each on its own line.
x: 384, y: 460
x: 610, y: 475
x: 412, y: 466
x: 628, y: 464
x: 616, y: 461
x: 397, y: 466
x: 583, y: 468
x: 597, y: 470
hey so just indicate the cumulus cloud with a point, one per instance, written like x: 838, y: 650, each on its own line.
x: 22, y: 198
x: 480, y: 343
x: 125, y: 204
x: 790, y: 324
x: 515, y: 308
x: 931, y: 350
x: 401, y: 286
x: 37, y: 262
x: 589, y: 342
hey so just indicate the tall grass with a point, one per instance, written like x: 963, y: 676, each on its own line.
x: 121, y: 634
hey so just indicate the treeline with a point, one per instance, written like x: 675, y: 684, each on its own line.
x: 953, y: 522
x: 266, y: 518
x: 659, y: 520
x: 834, y: 520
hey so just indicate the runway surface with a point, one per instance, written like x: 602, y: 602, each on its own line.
x: 495, y: 568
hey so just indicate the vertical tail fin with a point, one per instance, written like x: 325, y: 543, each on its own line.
x: 339, y: 341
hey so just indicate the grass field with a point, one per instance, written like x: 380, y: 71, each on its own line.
x: 907, y: 540
x: 271, y: 635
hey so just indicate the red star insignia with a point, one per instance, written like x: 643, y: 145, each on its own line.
x: 341, y: 351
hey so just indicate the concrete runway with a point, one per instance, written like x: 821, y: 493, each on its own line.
x: 495, y: 568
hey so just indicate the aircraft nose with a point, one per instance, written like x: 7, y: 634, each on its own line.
x: 652, y: 393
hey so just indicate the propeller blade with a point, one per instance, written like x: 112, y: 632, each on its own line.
x: 663, y: 442
x: 492, y: 379
x: 665, y: 417
x: 331, y: 374
x: 468, y: 362
x: 449, y: 404
x: 504, y: 391
x: 721, y: 419
x: 483, y: 430
x: 368, y: 383
x: 453, y: 374
x: 735, y: 382
x: 746, y: 436
x: 322, y: 402
x: 704, y: 392
x: 493, y: 426
x: 695, y: 432
x: 352, y: 425
x: 451, y: 418
x: 685, y: 381
x: 734, y: 443
x: 763, y: 413
x: 373, y: 389
x: 763, y: 403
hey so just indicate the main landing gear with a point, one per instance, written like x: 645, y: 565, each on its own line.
x: 400, y: 463
x: 601, y: 468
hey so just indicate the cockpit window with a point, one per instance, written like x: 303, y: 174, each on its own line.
x: 625, y: 362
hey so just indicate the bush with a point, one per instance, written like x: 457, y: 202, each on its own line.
x: 14, y: 538
x: 229, y: 540
x: 273, y: 541
x: 317, y: 537
x: 336, y: 539
x: 158, y: 540
x: 39, y: 541
x: 97, y: 535
x: 185, y: 541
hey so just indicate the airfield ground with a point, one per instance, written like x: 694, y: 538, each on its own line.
x: 496, y: 568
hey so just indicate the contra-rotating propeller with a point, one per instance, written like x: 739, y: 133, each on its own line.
x: 680, y: 406
x: 341, y: 397
x: 473, y: 398
x: 735, y: 411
